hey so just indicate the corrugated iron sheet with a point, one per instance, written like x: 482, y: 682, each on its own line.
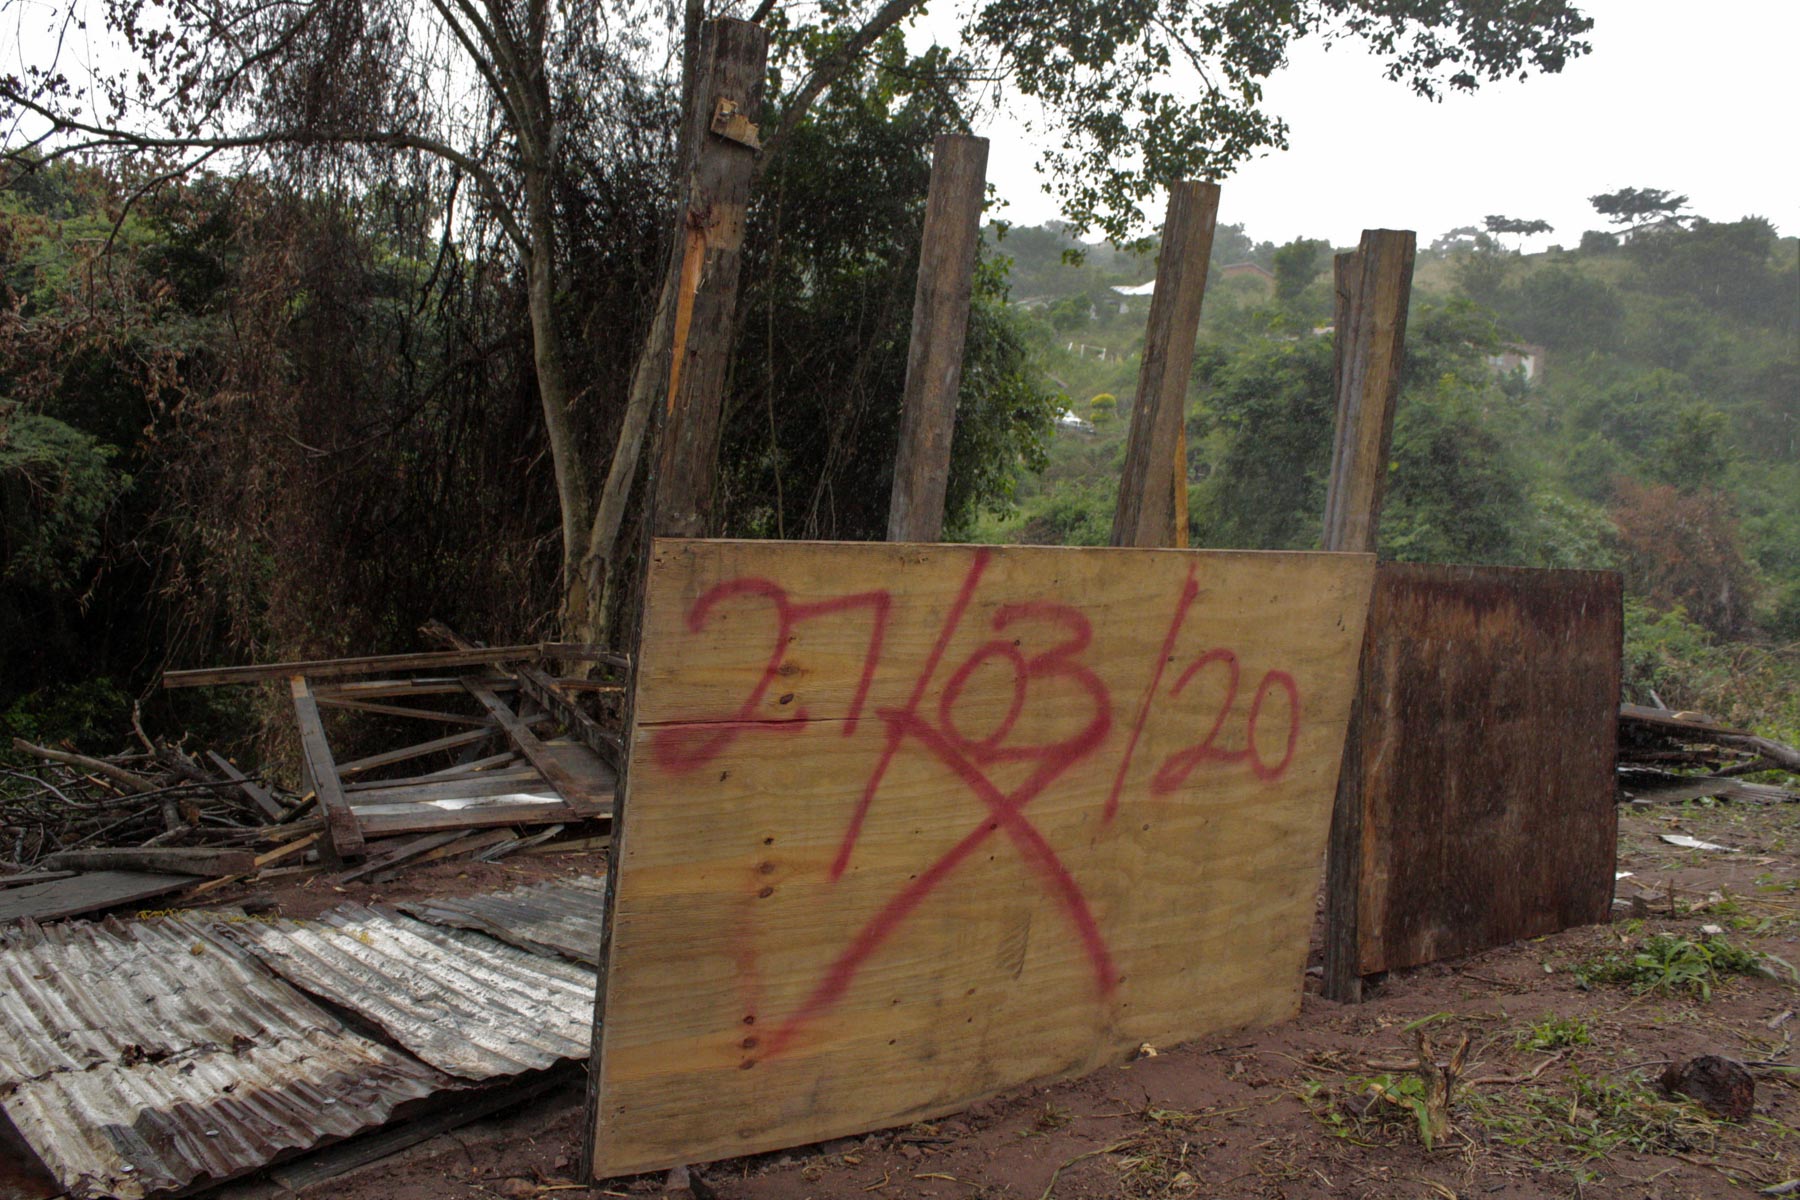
x: 149, y: 1055
x: 73, y: 995
x: 130, y: 1129
x: 461, y: 1001
x: 563, y: 917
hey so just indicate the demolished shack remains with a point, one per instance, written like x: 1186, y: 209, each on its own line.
x: 533, y: 779
x: 909, y: 825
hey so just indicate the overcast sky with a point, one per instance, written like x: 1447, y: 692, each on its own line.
x: 1699, y: 98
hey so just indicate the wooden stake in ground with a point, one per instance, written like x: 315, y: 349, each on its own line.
x: 940, y: 325
x: 1156, y: 447
x: 722, y: 120
x: 1373, y: 288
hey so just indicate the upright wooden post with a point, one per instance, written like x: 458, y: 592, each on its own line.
x: 723, y: 136
x: 1150, y: 489
x: 940, y: 323
x: 1373, y: 288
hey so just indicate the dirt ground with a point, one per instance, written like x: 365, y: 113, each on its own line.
x: 1558, y: 1095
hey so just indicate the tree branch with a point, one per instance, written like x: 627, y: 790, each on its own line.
x: 829, y: 72
x: 102, y: 136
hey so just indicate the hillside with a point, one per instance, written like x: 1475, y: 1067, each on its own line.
x: 1649, y: 420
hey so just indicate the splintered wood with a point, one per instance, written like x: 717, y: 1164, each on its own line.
x: 908, y: 825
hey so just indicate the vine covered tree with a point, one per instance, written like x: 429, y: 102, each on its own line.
x: 512, y: 114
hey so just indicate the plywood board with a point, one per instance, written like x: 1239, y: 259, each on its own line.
x: 908, y: 825
x: 1485, y: 754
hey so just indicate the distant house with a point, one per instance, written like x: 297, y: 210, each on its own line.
x: 1522, y: 357
x: 1245, y: 270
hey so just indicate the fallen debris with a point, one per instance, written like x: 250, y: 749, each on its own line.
x: 79, y: 895
x: 1694, y: 843
x: 1724, y: 1087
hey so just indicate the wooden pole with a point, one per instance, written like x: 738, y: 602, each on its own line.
x: 1155, y: 449
x: 940, y: 323
x: 1373, y: 288
x: 723, y: 135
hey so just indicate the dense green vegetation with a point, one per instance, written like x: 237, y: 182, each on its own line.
x: 1659, y: 434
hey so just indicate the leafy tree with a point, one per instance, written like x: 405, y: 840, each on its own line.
x: 1637, y: 208
x: 521, y: 103
x: 1565, y: 309
x: 1519, y: 226
x: 1685, y: 549
x: 1297, y: 264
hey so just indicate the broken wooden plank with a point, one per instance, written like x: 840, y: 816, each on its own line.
x: 29, y: 877
x: 388, y: 689
x: 421, y: 818
x: 401, y: 710
x: 185, y: 860
x: 394, y: 855
x: 82, y: 894
x: 321, y: 775
x: 467, y: 843
x: 258, y: 795
x: 388, y: 758
x: 520, y: 775
x: 549, y: 695
x: 518, y: 731
x: 326, y: 668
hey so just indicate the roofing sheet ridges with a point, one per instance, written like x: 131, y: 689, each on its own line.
x: 461, y: 1001
x: 74, y: 995
x: 561, y: 917
x: 127, y: 1130
x: 147, y: 1055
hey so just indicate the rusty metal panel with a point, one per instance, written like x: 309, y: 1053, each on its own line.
x: 130, y: 1129
x: 76, y: 995
x: 564, y: 917
x: 463, y: 1002
x: 1488, y: 731
x: 145, y: 1056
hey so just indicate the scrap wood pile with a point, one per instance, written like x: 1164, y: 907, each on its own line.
x: 1667, y: 756
x: 531, y: 756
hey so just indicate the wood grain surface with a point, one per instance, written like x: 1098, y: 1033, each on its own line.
x: 907, y: 825
x: 1485, y: 760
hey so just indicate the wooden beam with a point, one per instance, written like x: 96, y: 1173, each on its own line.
x: 940, y: 324
x: 258, y: 795
x: 194, y: 860
x: 548, y: 693
x: 389, y: 757
x: 1373, y: 286
x: 1155, y: 447
x: 729, y: 73
x: 320, y: 774
x: 325, y: 668
x: 401, y: 710
x: 385, y: 689
x: 518, y: 731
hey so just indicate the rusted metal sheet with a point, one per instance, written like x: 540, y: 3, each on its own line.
x: 564, y: 917
x: 1488, y: 730
x: 130, y: 1129
x: 463, y: 1002
x: 152, y: 1055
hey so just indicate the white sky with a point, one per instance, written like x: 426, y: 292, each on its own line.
x: 1698, y: 98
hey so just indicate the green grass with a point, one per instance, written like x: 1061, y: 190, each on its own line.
x: 1667, y: 963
